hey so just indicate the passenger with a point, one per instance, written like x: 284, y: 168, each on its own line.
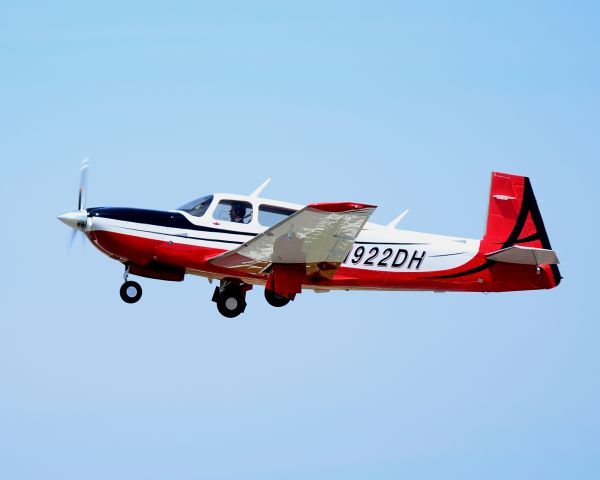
x: 237, y: 213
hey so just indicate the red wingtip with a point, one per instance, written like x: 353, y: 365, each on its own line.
x: 336, y: 207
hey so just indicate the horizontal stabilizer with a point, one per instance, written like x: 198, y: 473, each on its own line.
x: 524, y: 256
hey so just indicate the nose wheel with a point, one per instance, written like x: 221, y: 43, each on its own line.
x: 131, y: 292
x: 230, y: 298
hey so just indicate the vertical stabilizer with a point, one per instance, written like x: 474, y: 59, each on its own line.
x: 514, y: 217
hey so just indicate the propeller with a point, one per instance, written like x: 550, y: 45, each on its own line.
x: 83, y: 176
x: 72, y: 238
x: 78, y: 220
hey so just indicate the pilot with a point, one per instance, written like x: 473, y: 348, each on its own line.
x: 237, y: 213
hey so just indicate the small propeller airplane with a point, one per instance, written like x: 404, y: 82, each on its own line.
x: 247, y: 240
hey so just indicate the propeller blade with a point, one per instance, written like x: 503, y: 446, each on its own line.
x: 83, y: 184
x: 76, y: 234
x: 72, y: 238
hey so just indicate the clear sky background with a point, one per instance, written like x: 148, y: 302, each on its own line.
x: 399, y: 104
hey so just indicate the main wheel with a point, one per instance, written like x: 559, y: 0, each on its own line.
x: 230, y: 302
x: 276, y: 300
x: 131, y: 292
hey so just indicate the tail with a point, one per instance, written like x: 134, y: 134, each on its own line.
x: 514, y: 221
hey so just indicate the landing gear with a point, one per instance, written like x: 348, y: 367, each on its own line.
x: 275, y: 299
x: 131, y: 292
x: 230, y: 298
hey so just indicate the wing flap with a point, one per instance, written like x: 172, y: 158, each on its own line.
x: 525, y: 256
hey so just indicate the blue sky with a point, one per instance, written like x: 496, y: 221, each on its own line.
x: 403, y: 105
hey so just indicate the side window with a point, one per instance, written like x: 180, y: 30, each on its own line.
x: 233, y: 211
x: 269, y: 215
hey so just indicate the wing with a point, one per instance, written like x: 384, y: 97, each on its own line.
x: 525, y: 256
x: 319, y: 237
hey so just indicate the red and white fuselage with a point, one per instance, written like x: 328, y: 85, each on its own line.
x: 169, y: 244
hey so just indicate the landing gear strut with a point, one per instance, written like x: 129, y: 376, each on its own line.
x: 275, y: 299
x: 230, y: 298
x: 130, y: 291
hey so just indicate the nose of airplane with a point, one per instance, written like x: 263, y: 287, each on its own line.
x: 76, y: 220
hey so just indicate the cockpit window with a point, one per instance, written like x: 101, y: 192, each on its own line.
x: 233, y: 211
x: 197, y: 207
x: 269, y: 215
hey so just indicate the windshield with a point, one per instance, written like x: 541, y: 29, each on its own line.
x: 197, y: 207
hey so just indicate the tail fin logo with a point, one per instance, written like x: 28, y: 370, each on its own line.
x: 514, y: 216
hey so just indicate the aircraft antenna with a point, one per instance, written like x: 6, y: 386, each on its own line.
x: 260, y: 188
x: 397, y: 220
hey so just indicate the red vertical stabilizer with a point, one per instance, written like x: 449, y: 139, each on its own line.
x: 514, y: 217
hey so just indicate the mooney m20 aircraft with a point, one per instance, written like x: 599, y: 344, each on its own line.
x: 246, y: 240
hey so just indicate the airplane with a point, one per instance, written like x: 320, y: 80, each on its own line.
x: 243, y: 241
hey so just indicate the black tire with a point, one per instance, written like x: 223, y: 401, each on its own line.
x: 276, y: 300
x: 131, y: 292
x: 231, y: 304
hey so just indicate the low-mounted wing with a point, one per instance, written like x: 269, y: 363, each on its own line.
x: 319, y: 236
